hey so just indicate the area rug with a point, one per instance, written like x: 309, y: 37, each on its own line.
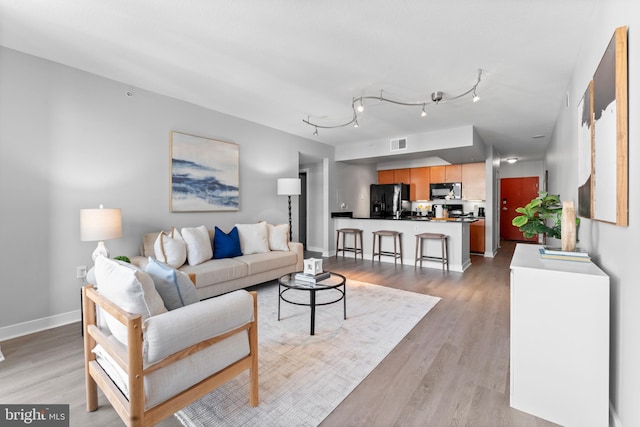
x: 303, y: 377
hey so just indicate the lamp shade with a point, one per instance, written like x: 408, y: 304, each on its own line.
x: 100, y: 224
x: 289, y: 186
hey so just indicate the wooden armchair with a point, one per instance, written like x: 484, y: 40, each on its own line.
x: 136, y: 377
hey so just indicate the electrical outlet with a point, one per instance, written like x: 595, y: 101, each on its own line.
x: 81, y: 272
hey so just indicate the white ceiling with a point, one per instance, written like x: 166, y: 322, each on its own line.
x: 277, y: 62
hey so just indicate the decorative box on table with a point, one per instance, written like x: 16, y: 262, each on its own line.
x: 312, y: 266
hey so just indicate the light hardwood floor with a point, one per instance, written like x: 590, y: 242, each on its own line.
x: 452, y: 369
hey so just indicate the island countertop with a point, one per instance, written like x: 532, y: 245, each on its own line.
x: 424, y: 218
x: 456, y: 229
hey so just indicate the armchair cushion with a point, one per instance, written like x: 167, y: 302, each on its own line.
x: 175, y: 330
x: 128, y: 287
x: 175, y: 287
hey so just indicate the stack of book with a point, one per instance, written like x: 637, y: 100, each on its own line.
x: 557, y: 253
x: 312, y: 279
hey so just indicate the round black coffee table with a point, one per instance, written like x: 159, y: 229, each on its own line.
x: 335, y: 281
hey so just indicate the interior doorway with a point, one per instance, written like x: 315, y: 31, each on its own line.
x: 515, y: 192
x: 302, y: 210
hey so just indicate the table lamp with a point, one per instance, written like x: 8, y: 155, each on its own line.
x: 98, y: 225
x: 289, y: 187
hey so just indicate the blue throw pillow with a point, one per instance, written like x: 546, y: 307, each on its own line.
x: 175, y: 287
x: 226, y: 245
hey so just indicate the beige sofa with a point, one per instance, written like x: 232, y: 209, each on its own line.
x: 218, y: 276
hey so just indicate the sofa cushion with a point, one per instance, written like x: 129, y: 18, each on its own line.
x: 170, y: 248
x: 259, y: 263
x: 175, y: 287
x: 278, y: 237
x: 128, y: 287
x: 216, y: 271
x: 254, y: 238
x: 199, y: 247
x: 226, y: 245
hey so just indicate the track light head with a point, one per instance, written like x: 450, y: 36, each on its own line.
x: 436, y: 96
x: 476, y: 98
x: 424, y: 112
x: 360, y: 106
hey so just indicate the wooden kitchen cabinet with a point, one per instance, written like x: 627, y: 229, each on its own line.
x: 438, y: 174
x: 420, y: 180
x: 394, y: 176
x: 385, y: 177
x: 473, y: 181
x: 476, y: 236
x: 453, y: 173
x: 402, y: 176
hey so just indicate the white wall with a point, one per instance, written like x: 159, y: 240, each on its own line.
x: 612, y: 247
x: 523, y: 169
x: 72, y: 140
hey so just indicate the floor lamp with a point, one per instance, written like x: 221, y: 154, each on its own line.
x: 289, y: 187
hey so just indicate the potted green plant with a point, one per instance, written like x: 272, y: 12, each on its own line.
x: 542, y: 215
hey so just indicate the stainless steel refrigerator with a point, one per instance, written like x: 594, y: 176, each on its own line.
x: 388, y: 199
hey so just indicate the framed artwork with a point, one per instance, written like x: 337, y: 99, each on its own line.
x: 603, y: 193
x: 205, y: 174
x: 585, y: 153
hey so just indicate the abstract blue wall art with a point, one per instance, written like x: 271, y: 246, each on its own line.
x: 205, y: 174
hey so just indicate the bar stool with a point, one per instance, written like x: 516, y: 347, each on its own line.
x: 397, y: 245
x: 355, y: 249
x: 443, y: 243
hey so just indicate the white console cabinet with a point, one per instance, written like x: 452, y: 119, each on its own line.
x: 559, y: 339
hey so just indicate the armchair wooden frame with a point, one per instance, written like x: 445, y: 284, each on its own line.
x: 132, y: 410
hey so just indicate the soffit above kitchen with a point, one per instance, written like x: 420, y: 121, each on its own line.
x: 280, y: 62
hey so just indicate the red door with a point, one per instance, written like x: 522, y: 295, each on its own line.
x: 515, y: 192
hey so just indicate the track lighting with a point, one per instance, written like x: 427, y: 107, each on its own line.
x: 357, y: 105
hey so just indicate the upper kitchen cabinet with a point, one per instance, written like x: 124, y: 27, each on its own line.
x: 394, y: 176
x: 419, y: 186
x: 438, y: 174
x: 448, y: 173
x: 453, y: 173
x: 473, y: 181
x: 402, y: 176
x: 385, y: 177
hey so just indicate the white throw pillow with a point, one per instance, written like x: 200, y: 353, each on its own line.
x: 129, y: 288
x: 170, y: 248
x: 254, y: 238
x: 199, y: 247
x: 278, y: 237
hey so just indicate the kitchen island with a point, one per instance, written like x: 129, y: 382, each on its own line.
x: 457, y: 230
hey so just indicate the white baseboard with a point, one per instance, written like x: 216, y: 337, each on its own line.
x: 37, y: 325
x: 614, y: 420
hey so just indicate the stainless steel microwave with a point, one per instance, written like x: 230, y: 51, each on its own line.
x: 439, y: 191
